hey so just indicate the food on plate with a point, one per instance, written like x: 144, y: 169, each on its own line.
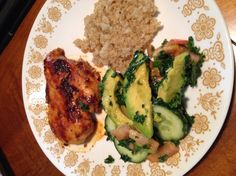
x: 116, y: 29
x: 137, y: 94
x: 146, y: 113
x: 73, y: 97
x: 128, y: 148
x: 108, y: 86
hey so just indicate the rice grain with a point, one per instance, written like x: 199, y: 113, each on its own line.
x: 116, y: 29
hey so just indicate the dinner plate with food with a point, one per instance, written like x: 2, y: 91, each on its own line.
x: 127, y: 87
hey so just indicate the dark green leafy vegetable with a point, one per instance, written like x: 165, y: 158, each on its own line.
x: 188, y: 120
x: 191, y: 46
x: 118, y: 93
x: 177, y: 100
x: 139, y: 59
x: 163, y: 158
x: 125, y: 158
x: 192, y: 71
x: 163, y: 62
x: 164, y: 42
x: 126, y: 142
x: 83, y: 106
x: 137, y: 148
x: 114, y: 75
x: 109, y: 159
x: 110, y: 137
x: 139, y: 118
x: 156, y: 136
x: 101, y: 87
x: 155, y: 63
x: 176, y: 142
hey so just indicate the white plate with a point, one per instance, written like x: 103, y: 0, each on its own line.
x: 60, y: 22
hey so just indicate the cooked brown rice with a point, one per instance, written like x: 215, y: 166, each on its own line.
x: 116, y: 29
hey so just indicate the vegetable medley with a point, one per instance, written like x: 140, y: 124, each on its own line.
x: 146, y: 113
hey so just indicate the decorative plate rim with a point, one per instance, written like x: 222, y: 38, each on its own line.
x: 229, y: 44
x: 205, y: 149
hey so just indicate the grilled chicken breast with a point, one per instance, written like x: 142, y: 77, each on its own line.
x: 73, y: 97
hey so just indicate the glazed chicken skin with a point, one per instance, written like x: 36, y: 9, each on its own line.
x: 73, y: 97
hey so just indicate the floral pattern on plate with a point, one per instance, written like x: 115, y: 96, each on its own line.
x: 61, y: 21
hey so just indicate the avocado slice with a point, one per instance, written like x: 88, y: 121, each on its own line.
x: 174, y: 80
x: 109, y: 100
x: 137, y: 94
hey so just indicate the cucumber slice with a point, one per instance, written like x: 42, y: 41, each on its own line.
x: 136, y: 157
x: 170, y: 127
x: 109, y: 124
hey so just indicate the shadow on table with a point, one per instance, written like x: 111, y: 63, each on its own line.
x: 5, y: 168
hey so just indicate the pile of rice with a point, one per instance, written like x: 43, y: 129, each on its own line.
x: 116, y: 29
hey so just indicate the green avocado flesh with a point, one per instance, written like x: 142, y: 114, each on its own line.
x: 109, y: 99
x: 175, y: 79
x: 137, y: 97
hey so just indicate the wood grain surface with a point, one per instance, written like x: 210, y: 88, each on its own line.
x: 19, y: 145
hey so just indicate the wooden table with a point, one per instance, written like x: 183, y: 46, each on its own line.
x: 20, y: 146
